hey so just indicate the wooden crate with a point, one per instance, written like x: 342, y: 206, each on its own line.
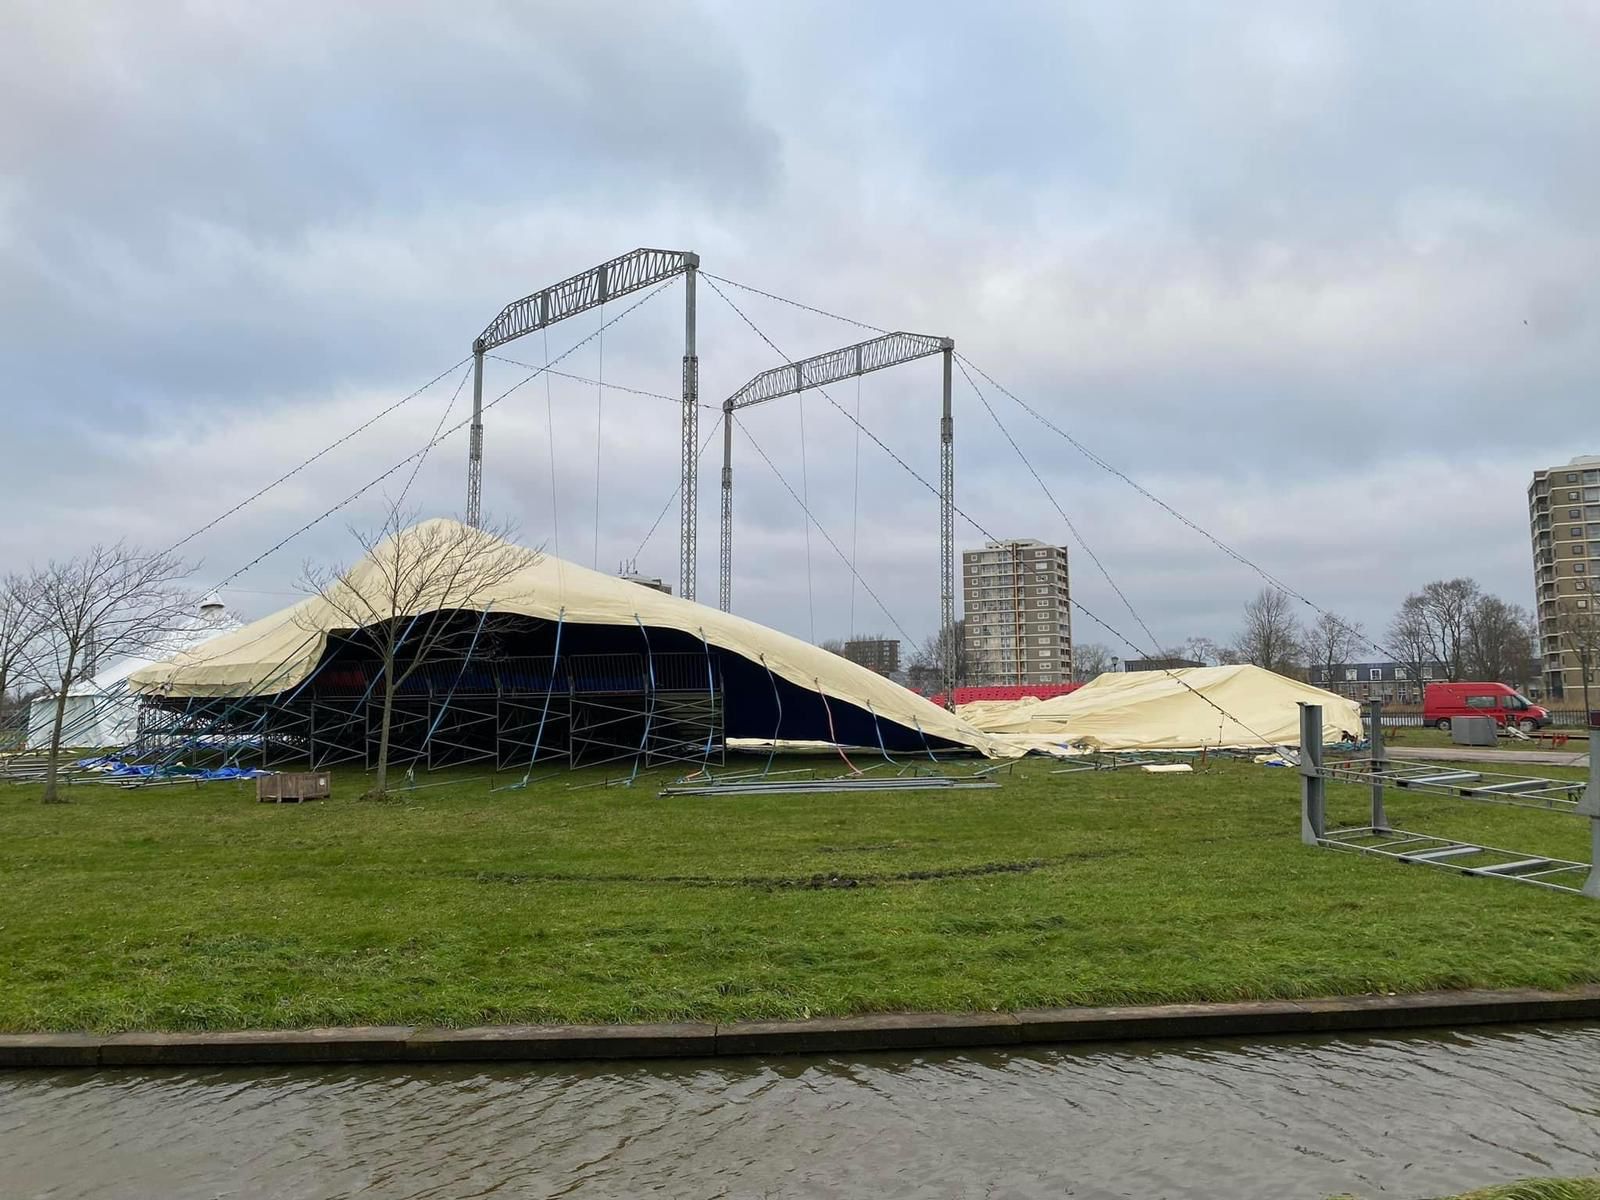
x: 293, y: 786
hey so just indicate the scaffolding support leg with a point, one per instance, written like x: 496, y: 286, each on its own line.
x: 725, y: 550
x: 475, y: 440
x: 1380, y: 818
x: 1589, y: 806
x: 1313, y: 788
x: 947, y: 537
x: 689, y: 490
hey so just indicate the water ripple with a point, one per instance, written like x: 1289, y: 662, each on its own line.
x: 1398, y: 1116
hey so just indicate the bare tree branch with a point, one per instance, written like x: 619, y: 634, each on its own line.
x: 401, y: 597
x: 112, y: 602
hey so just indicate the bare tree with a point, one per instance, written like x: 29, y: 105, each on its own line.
x: 1499, y: 645
x: 926, y: 667
x: 112, y: 602
x: 1578, y: 631
x: 1444, y: 608
x: 832, y: 646
x: 1270, y: 637
x: 1090, y: 660
x: 1410, y: 640
x: 402, y: 596
x: 1331, y: 642
x: 16, y: 631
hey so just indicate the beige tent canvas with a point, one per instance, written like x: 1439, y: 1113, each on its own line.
x: 1185, y: 709
x: 768, y: 684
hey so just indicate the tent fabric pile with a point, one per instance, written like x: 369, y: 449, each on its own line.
x: 1238, y: 707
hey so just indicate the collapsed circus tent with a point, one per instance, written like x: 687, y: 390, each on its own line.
x: 557, y: 661
x: 1183, y: 709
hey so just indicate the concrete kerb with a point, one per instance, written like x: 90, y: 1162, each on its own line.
x: 827, y: 1035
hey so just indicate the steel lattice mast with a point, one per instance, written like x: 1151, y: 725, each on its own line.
x: 834, y: 366
x: 631, y: 272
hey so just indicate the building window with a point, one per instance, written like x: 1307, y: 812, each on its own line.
x: 1375, y: 674
x: 1427, y: 672
x: 1572, y: 477
x: 1351, y: 674
x: 1578, y: 568
x: 1575, y: 532
x: 1580, y: 585
x: 1575, y: 514
x: 1401, y: 673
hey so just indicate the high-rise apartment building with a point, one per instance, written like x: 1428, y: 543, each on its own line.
x: 1016, y: 602
x: 1564, y: 520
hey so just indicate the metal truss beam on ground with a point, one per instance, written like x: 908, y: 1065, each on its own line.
x: 835, y: 366
x: 1378, y: 836
x: 620, y: 276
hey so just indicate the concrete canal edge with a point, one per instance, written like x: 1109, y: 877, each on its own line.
x: 823, y: 1035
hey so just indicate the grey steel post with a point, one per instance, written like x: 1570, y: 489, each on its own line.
x: 1313, y: 787
x: 475, y: 441
x: 1589, y: 806
x: 947, y: 533
x: 725, y: 551
x: 689, y: 483
x: 1380, y: 819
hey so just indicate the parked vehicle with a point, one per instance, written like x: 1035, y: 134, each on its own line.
x: 1442, y: 701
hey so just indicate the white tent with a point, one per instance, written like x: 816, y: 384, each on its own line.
x: 104, y: 711
x: 824, y: 697
x: 1184, y: 709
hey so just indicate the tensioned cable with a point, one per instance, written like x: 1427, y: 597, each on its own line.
x: 610, y: 387
x: 678, y: 489
x: 795, y: 496
x: 1154, y: 651
x: 1079, y: 446
x: 1162, y: 504
x: 821, y: 312
x: 251, y: 499
x: 448, y: 433
x: 1061, y: 512
x: 443, y: 417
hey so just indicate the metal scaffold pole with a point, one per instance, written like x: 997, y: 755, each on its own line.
x: 1589, y: 806
x: 725, y: 551
x: 689, y: 512
x: 1380, y: 818
x: 947, y: 535
x: 475, y: 445
x: 1313, y: 787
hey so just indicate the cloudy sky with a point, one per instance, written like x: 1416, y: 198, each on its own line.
x: 1322, y: 276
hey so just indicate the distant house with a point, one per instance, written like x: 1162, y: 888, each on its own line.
x: 876, y: 654
x: 1375, y: 680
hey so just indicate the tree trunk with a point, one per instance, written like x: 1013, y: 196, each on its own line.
x: 51, y: 794
x: 381, y: 784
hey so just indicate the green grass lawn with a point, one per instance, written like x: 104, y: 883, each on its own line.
x: 185, y: 907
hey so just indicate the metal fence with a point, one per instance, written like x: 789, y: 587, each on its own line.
x: 1560, y: 718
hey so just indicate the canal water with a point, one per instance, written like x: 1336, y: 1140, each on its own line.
x: 1408, y: 1116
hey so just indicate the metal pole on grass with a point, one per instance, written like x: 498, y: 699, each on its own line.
x: 1589, y: 806
x: 1380, y: 819
x: 1313, y: 788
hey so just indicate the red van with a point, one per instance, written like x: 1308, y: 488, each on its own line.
x: 1441, y: 701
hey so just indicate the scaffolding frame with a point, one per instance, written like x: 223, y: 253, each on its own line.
x: 1380, y: 837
